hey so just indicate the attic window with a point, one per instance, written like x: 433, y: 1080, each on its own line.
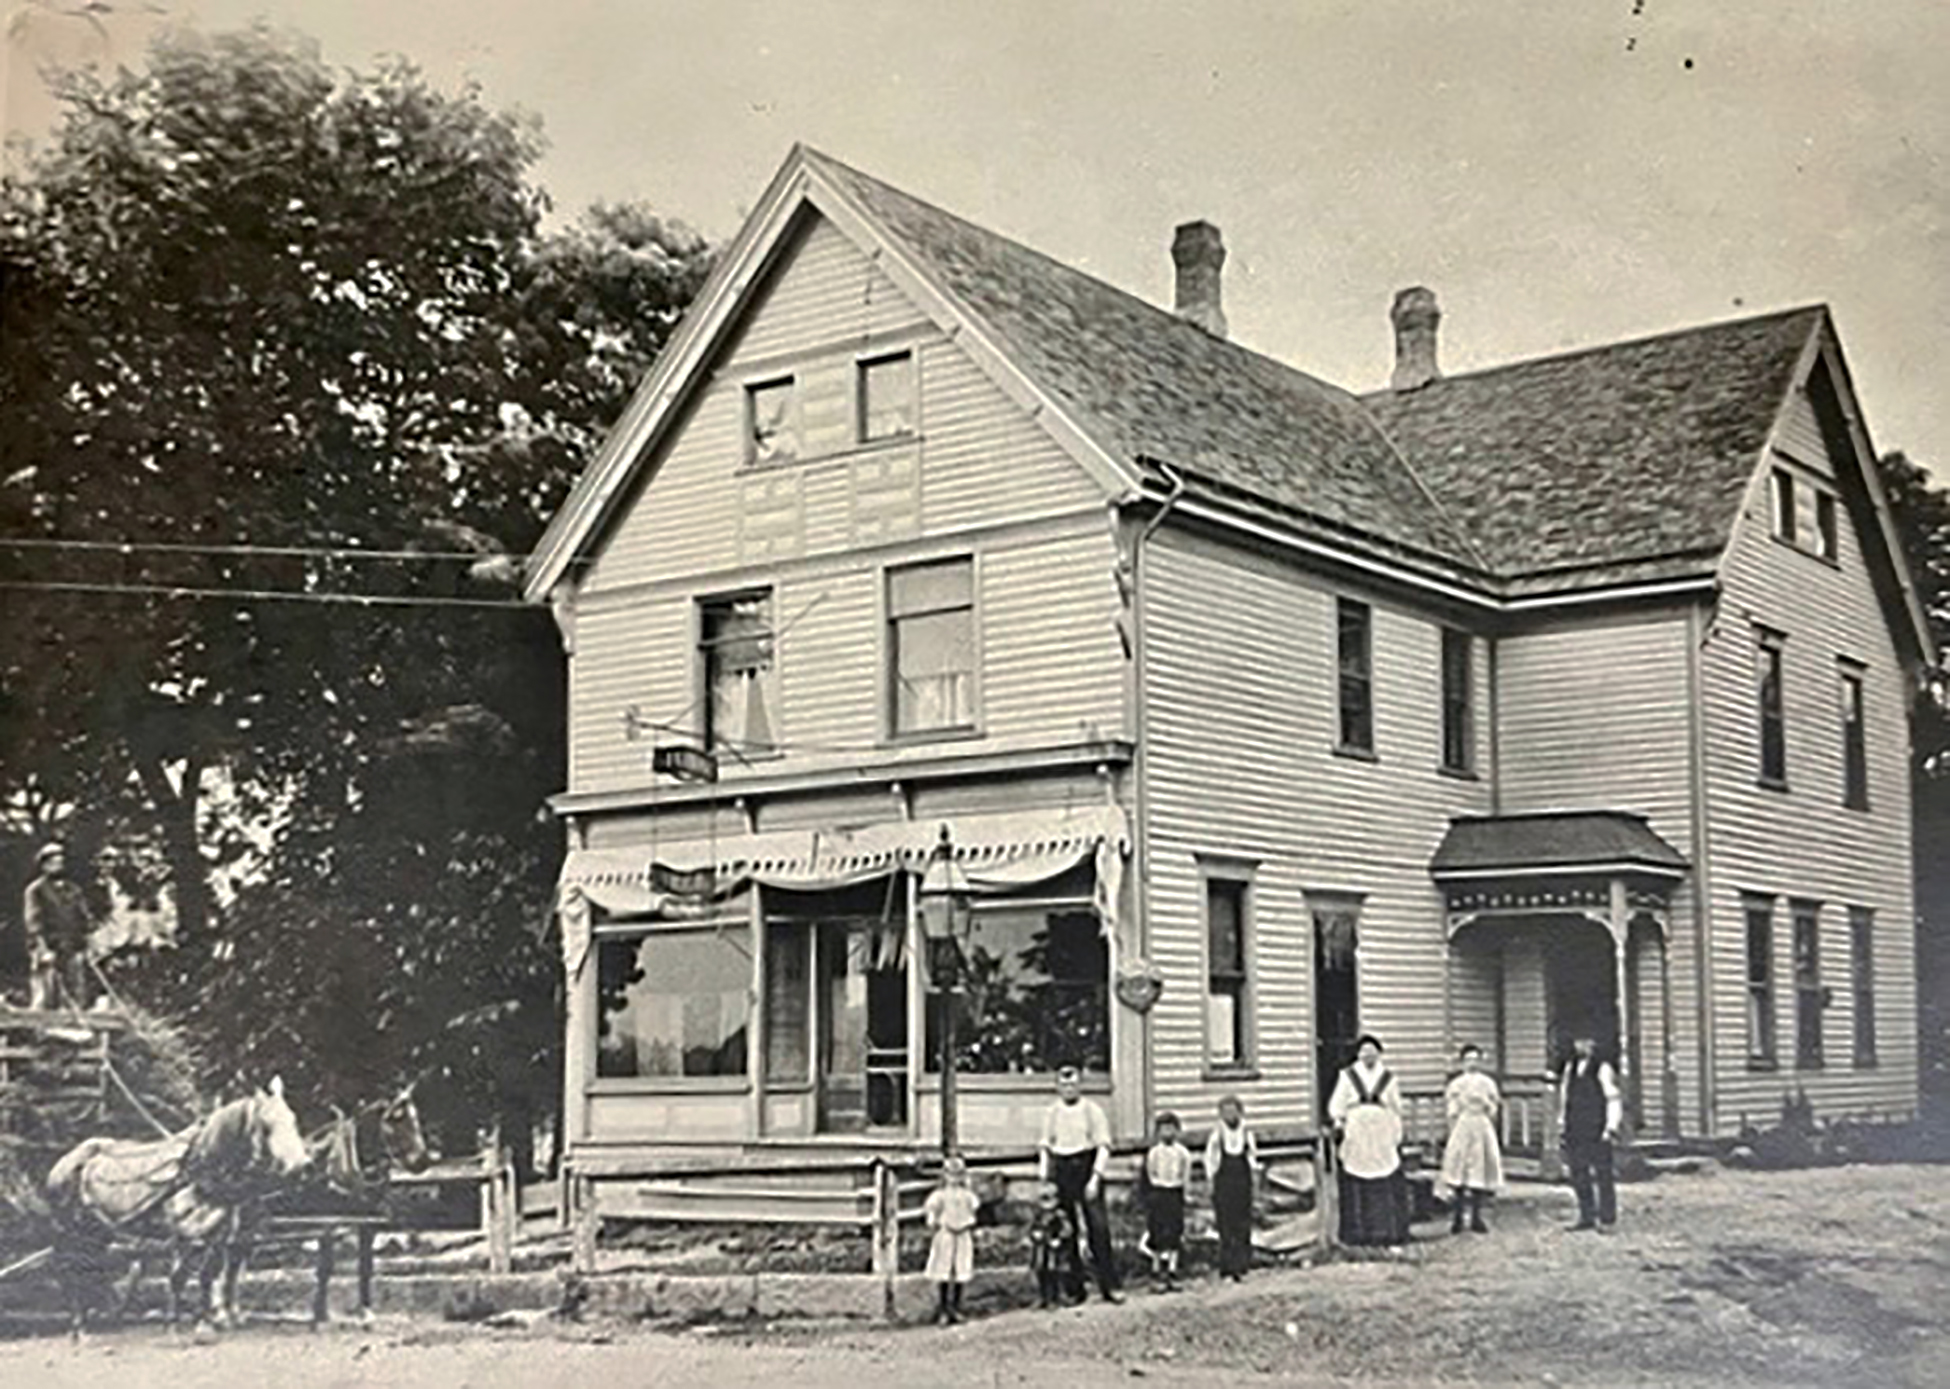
x: 1784, y: 504
x: 1825, y: 528
x: 887, y: 397
x: 770, y: 432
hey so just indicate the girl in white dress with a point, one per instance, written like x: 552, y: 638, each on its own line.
x: 1472, y: 1158
x: 950, y: 1212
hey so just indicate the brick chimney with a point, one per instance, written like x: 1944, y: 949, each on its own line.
x: 1200, y: 255
x: 1415, y: 317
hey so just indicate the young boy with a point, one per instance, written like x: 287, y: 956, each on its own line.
x: 950, y: 1212
x: 1167, y: 1167
x: 1053, y: 1251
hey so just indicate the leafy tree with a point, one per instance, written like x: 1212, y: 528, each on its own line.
x: 248, y: 300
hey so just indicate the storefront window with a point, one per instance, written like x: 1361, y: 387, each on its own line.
x: 1036, y: 994
x: 673, y: 1003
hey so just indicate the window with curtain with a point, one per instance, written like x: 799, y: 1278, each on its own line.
x: 673, y: 1004
x: 1228, y: 991
x: 931, y: 621
x: 771, y: 430
x: 887, y: 397
x: 735, y: 649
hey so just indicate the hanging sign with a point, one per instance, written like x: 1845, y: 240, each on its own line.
x: 684, y: 763
x: 692, y: 884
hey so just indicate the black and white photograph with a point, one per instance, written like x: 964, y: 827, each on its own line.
x: 1039, y: 692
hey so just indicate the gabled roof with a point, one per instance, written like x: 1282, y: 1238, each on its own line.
x: 1567, y: 841
x: 1157, y: 388
x: 1623, y: 455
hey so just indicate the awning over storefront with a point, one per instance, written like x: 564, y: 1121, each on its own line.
x: 996, y: 853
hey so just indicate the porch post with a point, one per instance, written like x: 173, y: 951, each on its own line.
x: 1669, y: 1073
x: 755, y: 1030
x: 1620, y: 922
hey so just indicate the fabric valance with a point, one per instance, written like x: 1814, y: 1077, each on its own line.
x: 996, y: 853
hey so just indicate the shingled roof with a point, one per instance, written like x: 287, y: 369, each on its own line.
x: 1631, y: 454
x: 1153, y: 387
x: 1568, y: 840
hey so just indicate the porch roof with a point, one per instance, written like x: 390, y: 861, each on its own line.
x: 1571, y: 841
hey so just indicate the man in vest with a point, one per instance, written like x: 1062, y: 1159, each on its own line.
x: 1593, y: 1113
x: 56, y: 916
x: 1074, y: 1154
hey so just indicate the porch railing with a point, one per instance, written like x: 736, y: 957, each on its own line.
x: 1529, y: 1120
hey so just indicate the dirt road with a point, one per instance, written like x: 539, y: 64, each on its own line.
x: 1834, y: 1277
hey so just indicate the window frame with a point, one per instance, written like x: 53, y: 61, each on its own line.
x: 724, y: 926
x: 1458, y: 709
x: 1827, y: 526
x: 1771, y: 723
x: 1852, y: 683
x: 1763, y: 1046
x: 890, y: 721
x: 862, y: 414
x: 755, y: 456
x: 1355, y: 677
x: 1782, y: 489
x: 1810, y: 998
x: 1862, y: 987
x: 740, y: 748
x: 1238, y: 878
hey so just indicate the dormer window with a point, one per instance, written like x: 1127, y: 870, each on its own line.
x: 887, y: 397
x: 771, y: 433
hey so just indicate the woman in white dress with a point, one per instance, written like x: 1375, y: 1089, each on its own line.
x: 1366, y: 1110
x: 1472, y: 1157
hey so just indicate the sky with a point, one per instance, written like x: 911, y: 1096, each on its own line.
x: 1560, y: 172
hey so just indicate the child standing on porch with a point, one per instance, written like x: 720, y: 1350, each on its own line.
x: 1472, y: 1156
x: 1167, y: 1167
x: 950, y: 1213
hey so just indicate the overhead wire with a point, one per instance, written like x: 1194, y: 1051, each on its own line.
x: 261, y: 595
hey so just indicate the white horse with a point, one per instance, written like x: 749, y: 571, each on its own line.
x: 193, y: 1192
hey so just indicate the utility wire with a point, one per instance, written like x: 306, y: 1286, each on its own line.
x: 128, y: 547
x: 266, y: 595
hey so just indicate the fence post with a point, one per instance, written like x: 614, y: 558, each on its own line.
x: 886, y: 1233
x: 1327, y: 1196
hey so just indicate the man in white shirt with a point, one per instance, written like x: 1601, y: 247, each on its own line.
x: 1073, y: 1153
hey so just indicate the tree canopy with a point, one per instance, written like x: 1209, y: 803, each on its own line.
x: 290, y: 366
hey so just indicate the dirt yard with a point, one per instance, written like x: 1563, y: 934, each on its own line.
x: 1828, y: 1277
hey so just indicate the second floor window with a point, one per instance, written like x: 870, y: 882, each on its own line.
x: 1855, y: 743
x: 1773, y: 712
x: 736, y: 664
x: 1809, y: 999
x: 1760, y: 982
x: 1458, y: 731
x: 1356, y: 660
x: 931, y: 629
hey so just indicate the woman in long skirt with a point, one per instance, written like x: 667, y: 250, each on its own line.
x: 1231, y: 1159
x: 1366, y: 1111
x: 1472, y: 1156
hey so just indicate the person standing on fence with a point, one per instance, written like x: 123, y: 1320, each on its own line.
x: 1074, y: 1153
x: 1594, y: 1112
x: 1366, y: 1111
x: 950, y: 1212
x: 1167, y: 1167
x: 55, y: 913
x: 1472, y: 1155
x: 1231, y: 1163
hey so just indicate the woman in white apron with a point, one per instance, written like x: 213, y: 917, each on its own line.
x: 1366, y: 1110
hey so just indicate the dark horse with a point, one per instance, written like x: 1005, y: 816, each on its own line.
x: 192, y: 1193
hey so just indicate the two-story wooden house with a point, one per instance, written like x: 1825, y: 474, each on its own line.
x: 1258, y: 713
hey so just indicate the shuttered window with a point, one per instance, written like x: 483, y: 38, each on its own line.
x: 931, y: 620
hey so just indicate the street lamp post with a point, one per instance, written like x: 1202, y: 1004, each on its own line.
x: 945, y: 916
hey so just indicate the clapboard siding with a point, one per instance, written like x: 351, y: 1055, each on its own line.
x: 1052, y: 669
x: 1593, y: 715
x: 1475, y: 980
x: 1239, y: 761
x: 1802, y: 842
x: 976, y: 459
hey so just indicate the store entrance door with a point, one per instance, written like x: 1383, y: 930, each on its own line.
x: 863, y: 1054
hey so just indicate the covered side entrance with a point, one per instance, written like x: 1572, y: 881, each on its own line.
x: 1557, y: 926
